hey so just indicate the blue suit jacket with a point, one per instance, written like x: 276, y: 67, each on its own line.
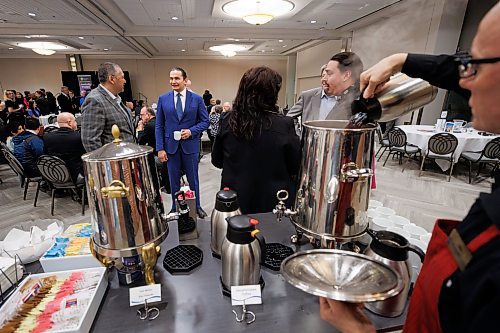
x: 194, y: 118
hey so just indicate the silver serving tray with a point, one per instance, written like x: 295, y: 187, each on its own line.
x: 341, y: 275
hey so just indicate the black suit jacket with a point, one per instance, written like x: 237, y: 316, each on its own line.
x: 147, y: 137
x: 257, y: 169
x: 67, y: 145
x: 65, y: 103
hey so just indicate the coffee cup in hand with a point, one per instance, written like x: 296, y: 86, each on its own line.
x: 177, y: 135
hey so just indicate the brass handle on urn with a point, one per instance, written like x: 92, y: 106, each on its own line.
x: 115, y: 190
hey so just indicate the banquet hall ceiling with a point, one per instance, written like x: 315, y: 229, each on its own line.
x: 145, y: 28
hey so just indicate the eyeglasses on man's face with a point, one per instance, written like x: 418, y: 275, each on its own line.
x: 467, y: 66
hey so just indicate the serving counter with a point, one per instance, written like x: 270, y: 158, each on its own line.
x: 194, y: 302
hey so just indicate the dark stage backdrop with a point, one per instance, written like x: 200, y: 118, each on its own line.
x: 70, y: 79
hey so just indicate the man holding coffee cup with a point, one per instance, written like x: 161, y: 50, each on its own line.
x: 181, y: 119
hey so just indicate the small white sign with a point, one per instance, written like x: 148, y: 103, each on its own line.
x: 151, y: 293
x: 249, y: 294
x: 444, y: 114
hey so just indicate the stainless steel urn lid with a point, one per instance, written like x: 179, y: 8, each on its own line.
x: 341, y: 275
x: 117, y: 150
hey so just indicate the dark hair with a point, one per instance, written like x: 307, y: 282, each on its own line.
x: 13, y: 126
x: 349, y: 61
x: 105, y: 70
x: 217, y: 101
x: 183, y: 72
x: 218, y: 109
x: 31, y: 104
x: 27, y: 93
x: 256, y: 97
x: 32, y: 123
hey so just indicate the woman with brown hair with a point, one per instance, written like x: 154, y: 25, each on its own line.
x: 256, y: 146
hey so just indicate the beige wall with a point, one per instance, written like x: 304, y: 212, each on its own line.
x: 148, y: 76
x: 31, y: 74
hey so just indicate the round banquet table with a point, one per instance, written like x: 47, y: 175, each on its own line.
x: 419, y: 135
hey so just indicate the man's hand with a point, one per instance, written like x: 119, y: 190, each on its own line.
x: 185, y: 134
x: 373, y: 79
x: 346, y: 317
x: 162, y: 156
x: 140, y: 126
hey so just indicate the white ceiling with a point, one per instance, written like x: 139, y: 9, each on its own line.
x: 144, y: 28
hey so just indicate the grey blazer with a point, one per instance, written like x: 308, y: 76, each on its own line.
x: 309, y: 102
x: 99, y: 113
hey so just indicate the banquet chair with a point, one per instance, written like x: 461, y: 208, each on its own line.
x: 50, y: 128
x: 489, y: 155
x: 18, y: 169
x: 55, y: 172
x: 398, y: 145
x: 441, y: 146
x: 383, y: 143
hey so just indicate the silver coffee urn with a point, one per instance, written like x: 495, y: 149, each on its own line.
x: 126, y: 210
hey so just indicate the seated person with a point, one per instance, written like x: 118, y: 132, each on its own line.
x: 66, y: 144
x: 256, y: 147
x: 33, y: 110
x: 28, y: 146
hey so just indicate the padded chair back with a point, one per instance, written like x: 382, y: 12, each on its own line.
x: 492, y: 149
x: 14, y: 163
x: 49, y: 129
x: 396, y: 137
x: 443, y: 143
x: 52, y: 120
x: 54, y: 170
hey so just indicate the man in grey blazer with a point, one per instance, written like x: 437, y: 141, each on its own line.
x: 339, y: 87
x: 103, y: 108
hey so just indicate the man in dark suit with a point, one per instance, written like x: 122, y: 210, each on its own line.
x: 103, y: 108
x: 66, y: 144
x: 64, y: 100
x: 339, y: 87
x: 181, y: 119
x: 146, y: 136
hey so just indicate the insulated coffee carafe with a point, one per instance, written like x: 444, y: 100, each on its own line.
x: 226, y: 205
x: 392, y: 249
x: 243, y: 249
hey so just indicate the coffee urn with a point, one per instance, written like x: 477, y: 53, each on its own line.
x: 126, y: 210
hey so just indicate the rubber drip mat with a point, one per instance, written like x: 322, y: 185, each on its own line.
x: 182, y: 259
x: 275, y: 254
x: 186, y: 225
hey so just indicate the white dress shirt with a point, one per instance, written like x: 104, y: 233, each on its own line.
x: 327, y: 104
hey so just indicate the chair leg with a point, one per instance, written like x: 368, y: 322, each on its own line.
x: 451, y: 169
x: 36, y: 193
x: 52, y: 206
x: 387, y: 157
x: 421, y: 166
x: 83, y: 200
x: 383, y: 152
x: 26, y: 183
x: 480, y: 167
x: 470, y: 171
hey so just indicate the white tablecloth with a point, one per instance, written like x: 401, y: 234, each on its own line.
x: 419, y: 135
x: 44, y: 120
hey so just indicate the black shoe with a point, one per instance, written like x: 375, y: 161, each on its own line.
x: 201, y: 213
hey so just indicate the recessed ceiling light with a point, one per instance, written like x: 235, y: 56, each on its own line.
x: 81, y: 37
x: 175, y: 18
x: 236, y: 40
x: 27, y: 36
x: 11, y: 48
x: 262, y: 51
x: 280, y: 40
x: 183, y: 50
x: 32, y: 14
x: 284, y: 46
x: 313, y: 21
x: 106, y: 49
x: 179, y: 38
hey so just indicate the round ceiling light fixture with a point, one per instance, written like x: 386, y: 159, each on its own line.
x: 257, y: 12
x: 229, y: 50
x: 43, y: 48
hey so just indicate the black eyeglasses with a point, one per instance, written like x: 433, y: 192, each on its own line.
x: 467, y: 66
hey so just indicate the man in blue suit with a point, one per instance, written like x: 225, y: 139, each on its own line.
x: 181, y: 118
